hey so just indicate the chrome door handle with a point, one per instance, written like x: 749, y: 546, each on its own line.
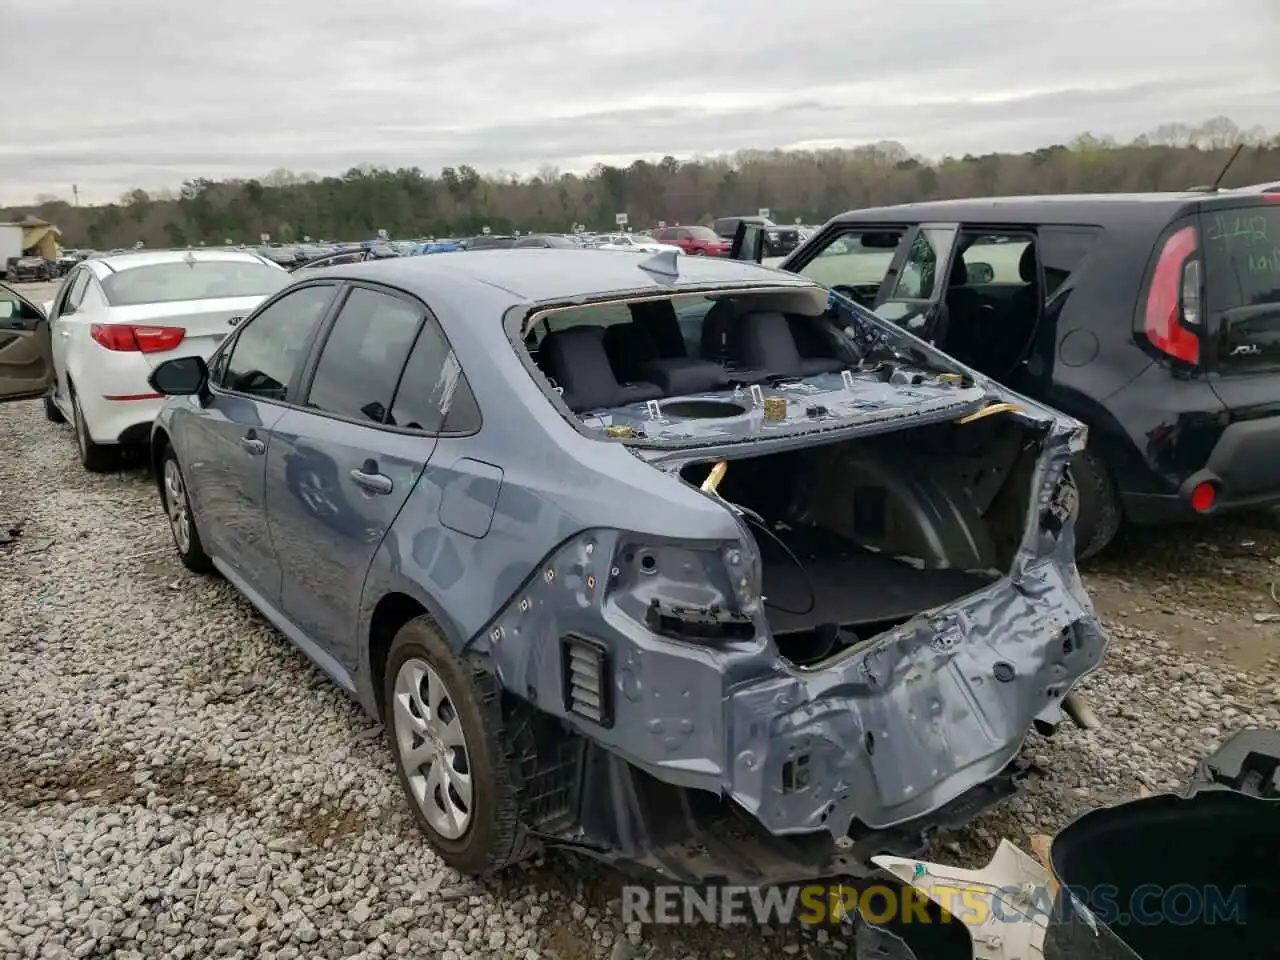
x: 255, y: 446
x: 372, y: 482
x: 64, y: 333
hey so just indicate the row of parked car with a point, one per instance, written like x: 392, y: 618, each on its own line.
x: 597, y: 537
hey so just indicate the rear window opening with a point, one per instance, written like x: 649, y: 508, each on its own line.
x: 627, y: 354
x: 860, y: 536
x: 193, y: 280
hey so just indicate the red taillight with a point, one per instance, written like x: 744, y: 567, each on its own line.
x: 131, y: 338
x: 1203, y: 497
x: 1163, y: 318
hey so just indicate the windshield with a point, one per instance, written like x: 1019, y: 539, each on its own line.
x: 702, y: 233
x: 192, y: 280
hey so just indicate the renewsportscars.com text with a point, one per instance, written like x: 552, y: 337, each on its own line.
x: 819, y: 904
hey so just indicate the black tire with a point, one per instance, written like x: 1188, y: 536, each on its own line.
x: 94, y: 457
x: 494, y: 837
x: 1099, y: 515
x: 51, y: 411
x: 191, y: 552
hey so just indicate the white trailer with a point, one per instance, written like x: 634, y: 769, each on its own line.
x: 10, y: 244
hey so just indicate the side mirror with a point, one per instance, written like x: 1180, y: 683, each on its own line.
x: 180, y: 377
x: 980, y: 272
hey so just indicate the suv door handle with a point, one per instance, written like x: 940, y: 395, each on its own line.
x: 368, y: 479
x: 251, y: 443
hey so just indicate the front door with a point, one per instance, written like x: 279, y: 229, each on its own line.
x: 253, y: 380
x: 26, y: 352
x: 341, y: 467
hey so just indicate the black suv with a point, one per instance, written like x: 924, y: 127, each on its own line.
x: 778, y: 240
x: 1153, y: 318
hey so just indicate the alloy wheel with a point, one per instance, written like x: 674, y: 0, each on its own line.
x: 433, y: 748
x: 175, y: 501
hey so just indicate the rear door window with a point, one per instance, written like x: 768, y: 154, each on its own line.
x: 363, y: 356
x: 1062, y: 251
x: 433, y: 394
x: 1242, y: 284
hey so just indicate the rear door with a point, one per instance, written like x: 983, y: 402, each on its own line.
x: 342, y: 465
x: 26, y: 351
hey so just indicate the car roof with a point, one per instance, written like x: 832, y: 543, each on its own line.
x: 535, y: 274
x: 114, y: 263
x: 1067, y: 208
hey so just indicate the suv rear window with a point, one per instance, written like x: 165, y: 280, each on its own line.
x: 1242, y: 257
x: 192, y: 280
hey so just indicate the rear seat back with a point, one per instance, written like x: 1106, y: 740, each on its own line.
x: 658, y: 319
x: 764, y: 340
x: 576, y: 359
x: 635, y: 356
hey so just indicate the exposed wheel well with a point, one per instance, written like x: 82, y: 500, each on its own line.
x: 392, y: 612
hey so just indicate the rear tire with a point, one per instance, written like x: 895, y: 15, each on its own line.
x: 94, y: 457
x: 462, y: 724
x: 1099, y: 516
x: 51, y: 411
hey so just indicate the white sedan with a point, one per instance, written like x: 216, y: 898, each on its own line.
x: 116, y: 318
x: 637, y: 243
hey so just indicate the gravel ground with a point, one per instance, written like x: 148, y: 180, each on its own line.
x: 178, y: 782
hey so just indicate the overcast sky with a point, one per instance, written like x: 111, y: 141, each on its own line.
x: 149, y: 93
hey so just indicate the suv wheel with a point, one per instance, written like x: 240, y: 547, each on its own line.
x: 1099, y: 515
x: 444, y: 724
x: 95, y: 457
x: 177, y: 507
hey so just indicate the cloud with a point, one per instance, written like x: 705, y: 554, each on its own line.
x: 150, y: 93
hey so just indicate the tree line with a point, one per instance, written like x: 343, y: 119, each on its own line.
x: 806, y: 186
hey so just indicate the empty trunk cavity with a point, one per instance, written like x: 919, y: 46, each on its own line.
x: 859, y: 536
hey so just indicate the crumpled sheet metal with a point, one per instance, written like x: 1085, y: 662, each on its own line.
x: 942, y: 704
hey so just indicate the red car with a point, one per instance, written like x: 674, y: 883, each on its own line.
x: 698, y: 241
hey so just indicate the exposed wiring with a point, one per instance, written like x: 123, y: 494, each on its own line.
x: 754, y: 518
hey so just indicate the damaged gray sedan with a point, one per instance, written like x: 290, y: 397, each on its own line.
x: 675, y: 561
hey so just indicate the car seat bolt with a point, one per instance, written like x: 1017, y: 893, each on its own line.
x: 550, y: 575
x: 497, y: 634
x: 524, y: 605
x: 591, y: 583
x: 844, y: 843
